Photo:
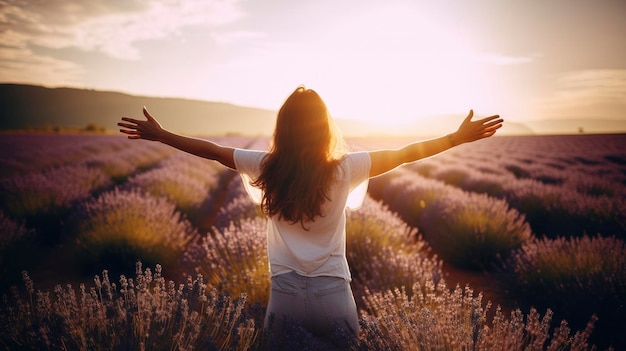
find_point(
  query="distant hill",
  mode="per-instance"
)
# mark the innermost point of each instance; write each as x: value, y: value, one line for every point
x: 27, y: 106
x: 36, y: 107
x: 578, y: 125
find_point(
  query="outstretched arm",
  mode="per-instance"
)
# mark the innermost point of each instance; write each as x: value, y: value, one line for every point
x: 151, y: 129
x: 386, y: 160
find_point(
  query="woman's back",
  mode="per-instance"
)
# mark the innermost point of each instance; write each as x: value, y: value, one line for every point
x: 317, y: 247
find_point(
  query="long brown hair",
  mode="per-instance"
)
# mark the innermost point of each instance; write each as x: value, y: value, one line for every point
x: 297, y: 172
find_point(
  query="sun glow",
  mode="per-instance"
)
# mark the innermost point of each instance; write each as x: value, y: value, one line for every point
x: 391, y: 62
x: 389, y: 65
x: 422, y: 69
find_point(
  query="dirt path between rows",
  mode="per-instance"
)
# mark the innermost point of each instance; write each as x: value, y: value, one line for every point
x: 481, y: 282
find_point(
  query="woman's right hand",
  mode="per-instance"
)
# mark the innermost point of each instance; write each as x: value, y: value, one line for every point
x: 149, y: 129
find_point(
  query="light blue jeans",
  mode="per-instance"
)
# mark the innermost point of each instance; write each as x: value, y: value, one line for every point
x: 321, y: 305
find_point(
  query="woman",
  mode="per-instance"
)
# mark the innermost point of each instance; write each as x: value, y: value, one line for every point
x: 304, y: 183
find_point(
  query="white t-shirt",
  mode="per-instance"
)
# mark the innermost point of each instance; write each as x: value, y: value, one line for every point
x: 320, y: 250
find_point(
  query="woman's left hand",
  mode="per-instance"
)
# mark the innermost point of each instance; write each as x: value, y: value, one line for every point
x: 149, y: 129
x: 474, y: 130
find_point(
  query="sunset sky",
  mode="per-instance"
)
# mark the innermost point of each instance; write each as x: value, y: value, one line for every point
x: 389, y: 61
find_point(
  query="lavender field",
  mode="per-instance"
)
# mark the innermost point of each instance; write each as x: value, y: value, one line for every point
x: 514, y: 242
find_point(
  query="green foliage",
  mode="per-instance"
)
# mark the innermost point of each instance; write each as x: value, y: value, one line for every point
x: 120, y: 227
x: 93, y: 127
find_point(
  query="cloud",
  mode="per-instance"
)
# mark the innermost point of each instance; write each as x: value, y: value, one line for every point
x: 112, y: 28
x: 588, y: 93
x: 601, y: 85
x: 20, y: 65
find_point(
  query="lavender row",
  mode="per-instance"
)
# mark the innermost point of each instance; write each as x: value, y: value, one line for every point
x: 476, y: 231
x: 468, y: 229
x: 47, y: 175
x: 582, y: 205
x: 406, y: 303
x: 184, y: 179
x: 385, y: 254
x: 121, y: 227
x: 29, y: 153
x: 53, y: 189
x: 62, y: 170
x: 556, y: 160
x: 575, y: 277
x: 565, y: 185
x: 51, y: 192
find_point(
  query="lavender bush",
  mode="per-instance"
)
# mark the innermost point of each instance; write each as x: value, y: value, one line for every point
x: 596, y: 186
x: 552, y: 210
x: 577, y: 277
x: 186, y: 192
x: 116, y: 167
x: 453, y: 175
x: 431, y: 317
x: 150, y: 313
x: 477, y: 176
x: 234, y: 259
x: 408, y: 194
x: 472, y: 230
x: 11, y: 232
x: 15, y: 238
x: 466, y: 229
x: 384, y: 253
x: 235, y: 205
x: 121, y: 227
x: 142, y: 313
x: 484, y: 182
x: 425, y: 167
x: 51, y: 193
x: 195, y: 167
x: 121, y: 162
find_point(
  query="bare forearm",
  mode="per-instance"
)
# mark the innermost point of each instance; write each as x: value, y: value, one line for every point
x: 190, y: 145
x: 427, y: 148
x: 199, y: 147
x: 469, y: 131
x: 385, y: 160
